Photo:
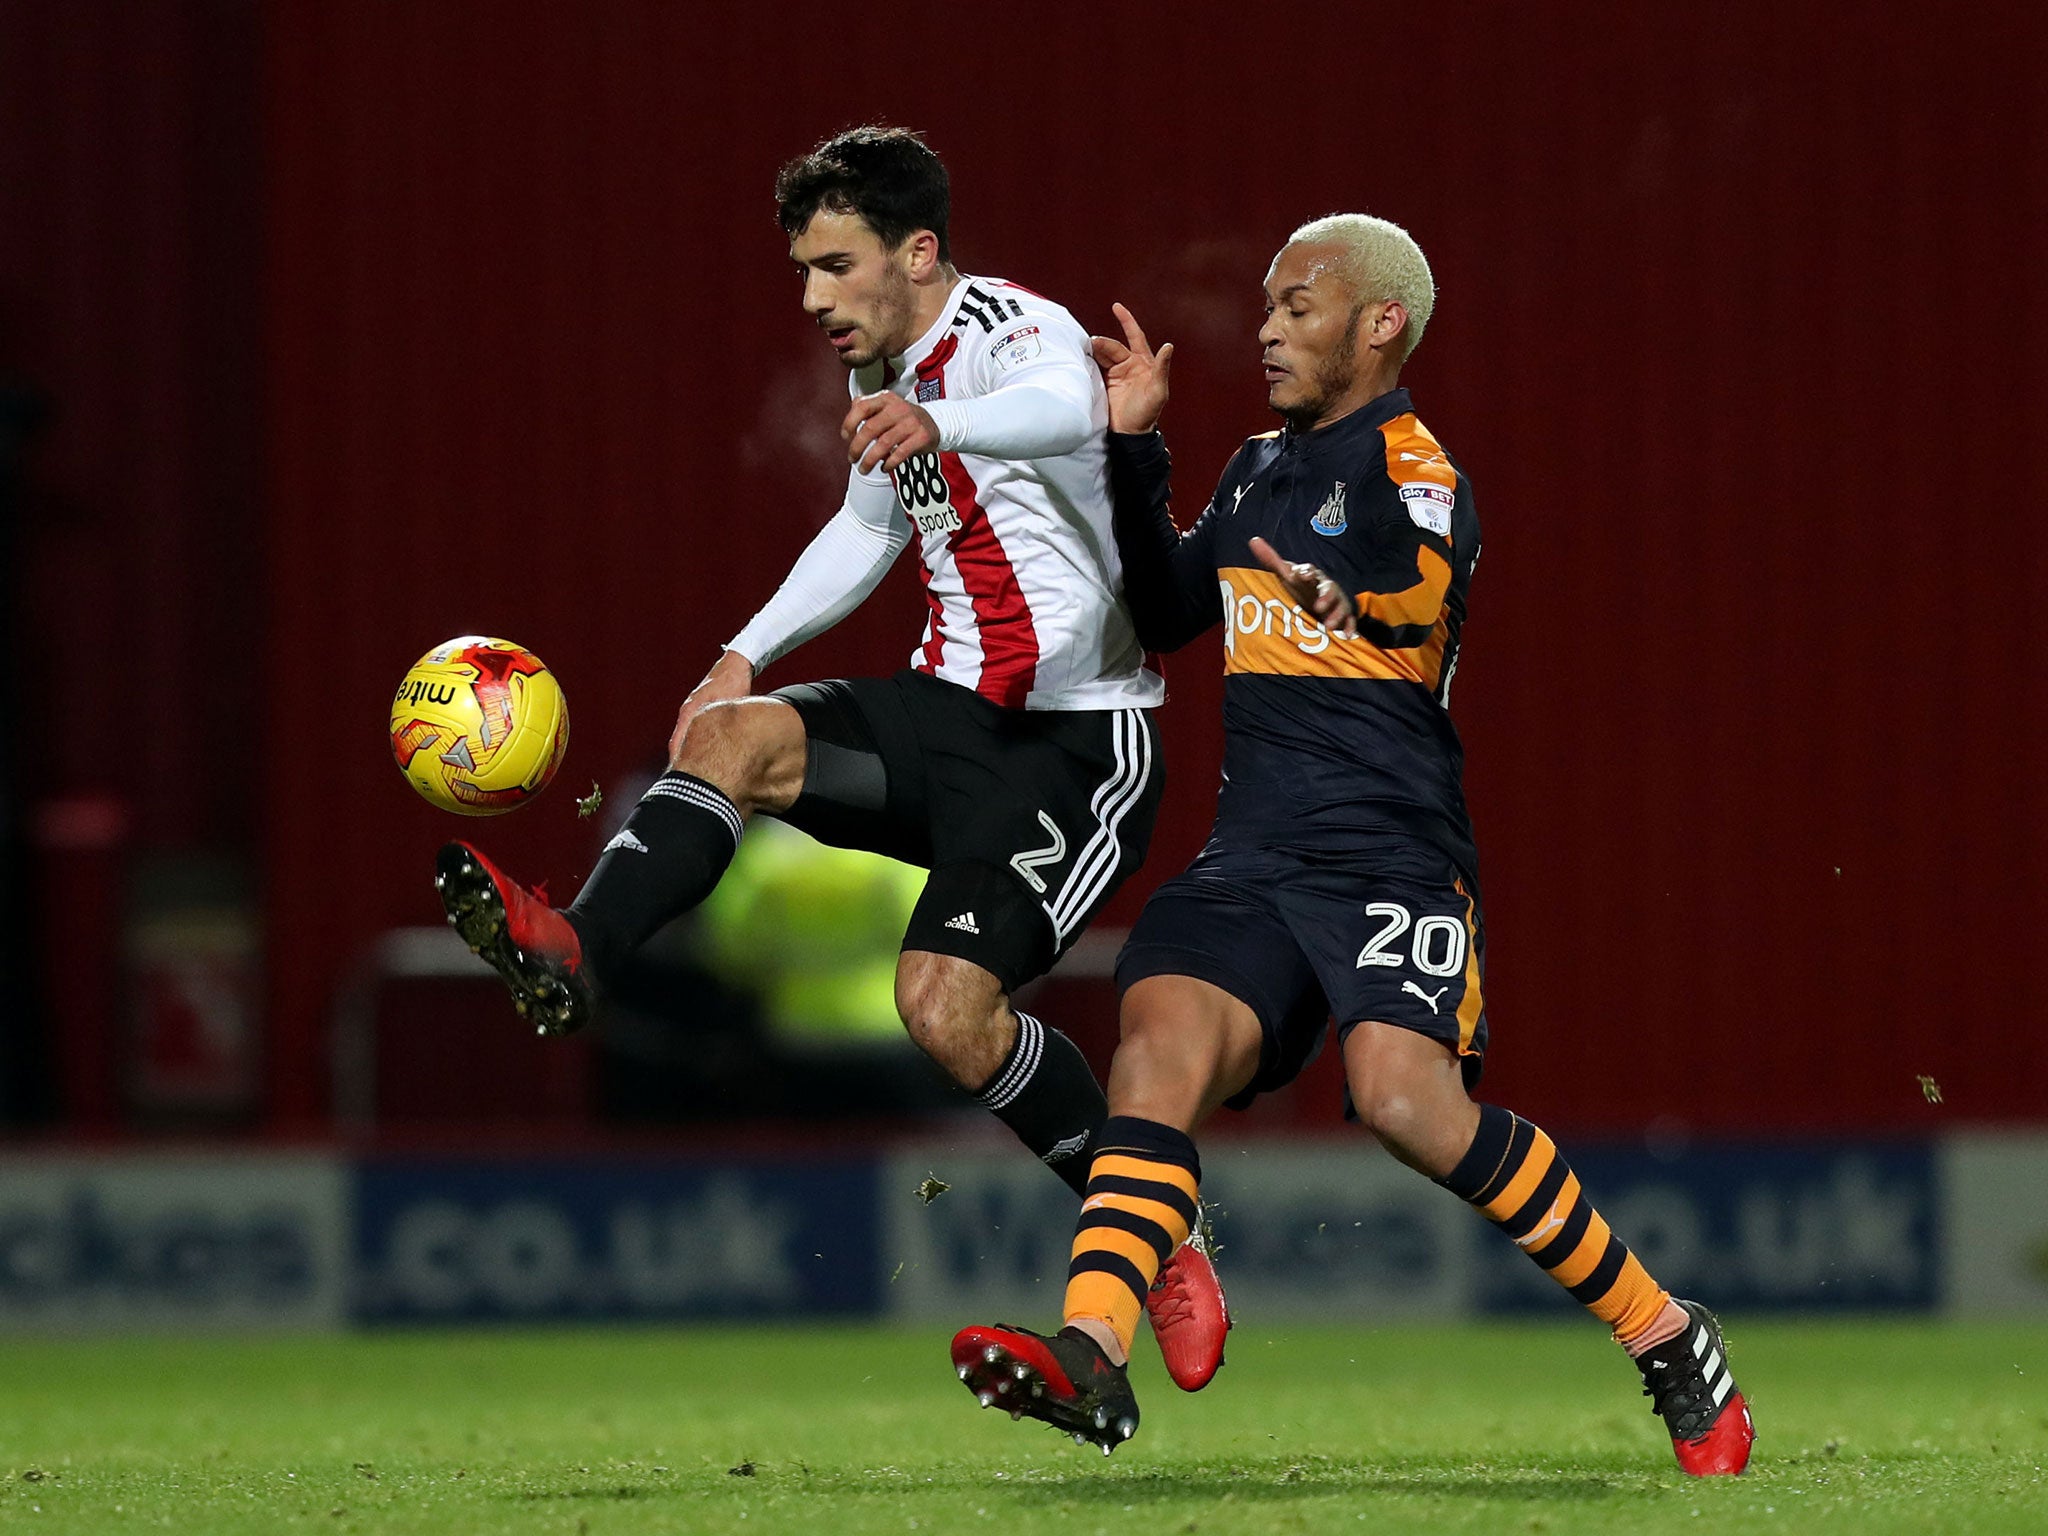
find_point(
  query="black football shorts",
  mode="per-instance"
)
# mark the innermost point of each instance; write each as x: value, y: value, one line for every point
x: 1027, y: 819
x: 1393, y: 935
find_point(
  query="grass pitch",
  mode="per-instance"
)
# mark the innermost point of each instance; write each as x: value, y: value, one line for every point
x: 1870, y: 1428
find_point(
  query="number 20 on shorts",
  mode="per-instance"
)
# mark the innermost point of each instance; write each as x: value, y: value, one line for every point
x: 1437, y: 946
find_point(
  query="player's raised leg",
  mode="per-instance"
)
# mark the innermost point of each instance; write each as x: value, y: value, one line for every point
x: 1186, y: 1047
x: 1036, y: 1081
x: 729, y: 760
x: 1150, y: 1079
x: 1410, y: 1093
x: 1016, y: 878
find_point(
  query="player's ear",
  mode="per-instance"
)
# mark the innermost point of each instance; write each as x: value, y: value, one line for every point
x: 1384, y: 325
x: 921, y: 252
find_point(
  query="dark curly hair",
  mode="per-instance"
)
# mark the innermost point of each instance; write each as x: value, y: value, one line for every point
x: 887, y: 177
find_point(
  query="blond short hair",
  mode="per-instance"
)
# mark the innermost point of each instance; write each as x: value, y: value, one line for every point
x: 1381, y: 261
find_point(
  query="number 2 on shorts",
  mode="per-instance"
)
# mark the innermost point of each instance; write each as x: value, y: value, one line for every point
x: 1027, y: 862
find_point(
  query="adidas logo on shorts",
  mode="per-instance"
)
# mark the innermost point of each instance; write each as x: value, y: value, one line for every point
x: 964, y: 922
x: 626, y: 839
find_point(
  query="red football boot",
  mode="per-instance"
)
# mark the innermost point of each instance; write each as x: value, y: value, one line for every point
x: 1689, y: 1386
x: 1064, y: 1380
x: 1188, y: 1312
x: 528, y: 943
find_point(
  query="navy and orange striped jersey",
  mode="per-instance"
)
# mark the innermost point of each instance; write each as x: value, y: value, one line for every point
x: 1329, y: 744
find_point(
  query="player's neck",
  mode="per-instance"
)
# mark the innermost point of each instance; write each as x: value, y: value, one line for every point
x: 930, y: 301
x: 1367, y: 386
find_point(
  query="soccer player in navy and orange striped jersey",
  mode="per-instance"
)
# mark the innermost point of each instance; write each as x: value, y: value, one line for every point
x: 1340, y: 880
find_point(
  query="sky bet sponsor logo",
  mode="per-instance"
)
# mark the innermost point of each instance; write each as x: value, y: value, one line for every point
x: 1020, y: 346
x: 1429, y: 506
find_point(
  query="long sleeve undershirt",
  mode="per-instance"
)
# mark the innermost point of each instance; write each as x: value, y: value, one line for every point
x: 1047, y: 415
x: 1169, y: 576
x: 836, y: 571
x: 1040, y: 418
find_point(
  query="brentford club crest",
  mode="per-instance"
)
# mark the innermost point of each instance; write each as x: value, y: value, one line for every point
x: 1329, y: 518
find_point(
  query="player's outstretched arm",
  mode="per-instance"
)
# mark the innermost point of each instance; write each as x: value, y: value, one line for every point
x: 1320, y: 595
x: 1135, y: 376
x: 831, y: 578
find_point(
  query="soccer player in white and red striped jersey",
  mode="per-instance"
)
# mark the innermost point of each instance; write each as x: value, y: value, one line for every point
x: 1015, y: 758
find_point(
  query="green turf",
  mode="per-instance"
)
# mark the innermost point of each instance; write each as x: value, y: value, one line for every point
x: 1866, y: 1428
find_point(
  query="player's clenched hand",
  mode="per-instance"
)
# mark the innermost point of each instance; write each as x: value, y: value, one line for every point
x: 1135, y: 375
x: 1320, y: 595
x: 730, y: 677
x: 882, y: 430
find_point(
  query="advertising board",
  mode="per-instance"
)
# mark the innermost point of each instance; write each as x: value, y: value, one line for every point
x: 243, y: 1242
x: 452, y: 1241
x: 1854, y: 1226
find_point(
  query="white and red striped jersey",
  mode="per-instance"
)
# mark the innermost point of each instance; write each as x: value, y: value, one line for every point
x: 1011, y: 516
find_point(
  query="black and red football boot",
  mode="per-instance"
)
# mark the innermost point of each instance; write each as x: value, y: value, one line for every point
x: 1687, y: 1381
x: 1188, y: 1312
x: 1064, y: 1380
x: 528, y: 943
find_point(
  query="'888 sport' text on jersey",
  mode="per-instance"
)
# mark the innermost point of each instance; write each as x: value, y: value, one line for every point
x: 1018, y: 564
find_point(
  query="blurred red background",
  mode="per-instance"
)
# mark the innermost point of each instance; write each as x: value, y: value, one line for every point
x: 365, y: 325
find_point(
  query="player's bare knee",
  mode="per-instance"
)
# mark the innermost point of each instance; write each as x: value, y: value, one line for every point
x: 1395, y: 1119
x: 925, y: 1015
x: 1150, y: 1049
x: 949, y: 1022
x: 961, y: 1045
x: 1167, y: 1074
x: 747, y: 750
x: 715, y: 743
x: 1421, y: 1125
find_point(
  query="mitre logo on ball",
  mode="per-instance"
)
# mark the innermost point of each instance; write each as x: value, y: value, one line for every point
x: 479, y: 725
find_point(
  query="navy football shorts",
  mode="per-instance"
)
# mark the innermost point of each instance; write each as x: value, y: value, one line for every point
x: 1027, y: 819
x: 1392, y: 936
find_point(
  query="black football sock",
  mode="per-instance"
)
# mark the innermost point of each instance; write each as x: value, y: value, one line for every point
x: 666, y: 858
x: 1048, y: 1096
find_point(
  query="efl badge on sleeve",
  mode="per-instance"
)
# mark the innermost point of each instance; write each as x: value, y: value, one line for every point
x: 1429, y: 506
x: 1020, y: 346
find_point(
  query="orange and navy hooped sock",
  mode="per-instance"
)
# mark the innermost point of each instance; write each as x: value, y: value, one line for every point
x: 1139, y: 1207
x: 1515, y: 1176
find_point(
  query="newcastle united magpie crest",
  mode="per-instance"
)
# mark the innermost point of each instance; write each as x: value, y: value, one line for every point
x: 1329, y: 518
